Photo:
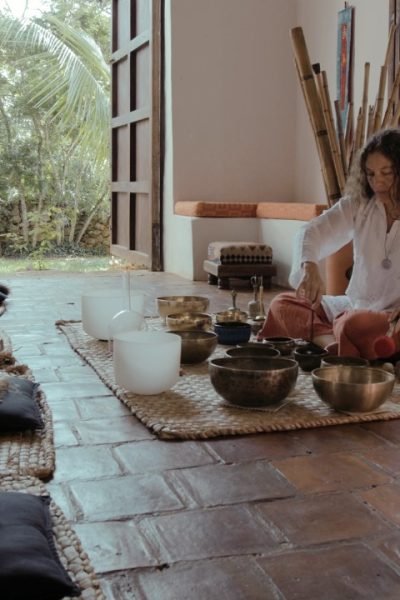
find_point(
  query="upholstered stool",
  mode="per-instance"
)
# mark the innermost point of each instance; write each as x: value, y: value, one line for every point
x: 240, y: 260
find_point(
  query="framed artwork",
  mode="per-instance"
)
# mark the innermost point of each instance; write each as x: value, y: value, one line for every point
x: 344, y: 60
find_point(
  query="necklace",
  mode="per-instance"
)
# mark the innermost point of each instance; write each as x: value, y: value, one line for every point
x: 386, y: 262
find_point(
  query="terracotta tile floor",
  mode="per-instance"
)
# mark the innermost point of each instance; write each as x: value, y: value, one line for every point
x: 305, y: 515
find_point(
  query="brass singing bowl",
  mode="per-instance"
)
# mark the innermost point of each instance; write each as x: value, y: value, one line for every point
x: 353, y: 389
x: 168, y: 305
x: 260, y: 350
x: 189, y: 320
x: 349, y: 361
x: 253, y: 382
x: 196, y: 346
x: 309, y: 356
x: 231, y: 315
x: 285, y: 345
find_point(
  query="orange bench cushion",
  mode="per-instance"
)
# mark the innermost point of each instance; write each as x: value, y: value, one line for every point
x: 297, y: 211
x: 215, y: 209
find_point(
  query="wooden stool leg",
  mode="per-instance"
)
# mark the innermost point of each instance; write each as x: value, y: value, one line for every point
x: 223, y: 283
x: 267, y: 283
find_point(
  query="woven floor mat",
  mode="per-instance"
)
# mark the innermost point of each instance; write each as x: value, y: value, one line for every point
x: 5, y: 342
x: 30, y: 452
x: 68, y: 545
x: 193, y: 410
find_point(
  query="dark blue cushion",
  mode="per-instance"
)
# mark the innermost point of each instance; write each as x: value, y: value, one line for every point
x: 19, y: 409
x: 29, y: 563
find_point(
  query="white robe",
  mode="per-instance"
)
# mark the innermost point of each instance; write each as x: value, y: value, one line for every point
x: 371, y: 286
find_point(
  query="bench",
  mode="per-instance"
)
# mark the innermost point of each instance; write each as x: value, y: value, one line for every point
x: 271, y: 223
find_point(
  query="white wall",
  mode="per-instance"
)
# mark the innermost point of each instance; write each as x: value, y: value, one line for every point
x: 236, y: 124
x: 232, y: 99
x: 230, y: 96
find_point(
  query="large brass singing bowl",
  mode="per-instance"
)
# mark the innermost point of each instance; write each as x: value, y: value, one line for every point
x: 253, y: 382
x: 353, y: 389
x: 168, y: 305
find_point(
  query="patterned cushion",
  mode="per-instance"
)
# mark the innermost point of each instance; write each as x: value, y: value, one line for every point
x: 233, y: 253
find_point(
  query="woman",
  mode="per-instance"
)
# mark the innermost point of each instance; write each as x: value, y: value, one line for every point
x: 368, y: 215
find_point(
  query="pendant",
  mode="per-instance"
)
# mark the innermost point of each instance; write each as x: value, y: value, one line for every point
x: 386, y: 263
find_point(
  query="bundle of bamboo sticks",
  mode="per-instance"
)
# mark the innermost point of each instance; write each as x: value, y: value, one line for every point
x: 337, y: 145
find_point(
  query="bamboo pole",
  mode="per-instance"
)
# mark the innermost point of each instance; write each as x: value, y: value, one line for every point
x: 349, y: 130
x: 391, y: 105
x: 359, y: 126
x: 380, y: 99
x: 370, y: 122
x: 365, y: 100
x: 316, y: 113
x: 395, y: 119
x: 340, y: 133
x: 312, y: 127
x: 390, y: 43
x: 323, y: 88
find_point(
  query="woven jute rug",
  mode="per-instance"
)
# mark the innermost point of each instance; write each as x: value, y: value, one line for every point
x: 69, y: 548
x: 192, y: 409
x: 30, y: 452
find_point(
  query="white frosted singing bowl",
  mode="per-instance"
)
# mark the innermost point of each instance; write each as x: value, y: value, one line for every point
x: 125, y: 320
x: 146, y: 362
x: 98, y: 307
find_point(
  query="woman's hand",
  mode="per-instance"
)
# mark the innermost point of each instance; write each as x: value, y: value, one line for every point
x: 311, y: 286
x: 394, y: 321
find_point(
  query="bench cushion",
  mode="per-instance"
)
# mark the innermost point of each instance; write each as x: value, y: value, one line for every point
x: 296, y: 211
x: 239, y: 210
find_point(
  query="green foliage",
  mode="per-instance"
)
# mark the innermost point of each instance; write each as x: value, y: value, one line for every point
x: 54, y: 124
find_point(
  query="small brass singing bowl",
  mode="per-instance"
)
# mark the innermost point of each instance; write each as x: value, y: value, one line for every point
x: 196, y: 346
x: 189, y: 320
x: 168, y: 305
x: 230, y: 316
x: 285, y: 345
x: 309, y: 356
x: 260, y: 351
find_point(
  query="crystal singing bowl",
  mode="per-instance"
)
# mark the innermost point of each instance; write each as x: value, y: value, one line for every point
x: 99, y: 306
x: 146, y: 362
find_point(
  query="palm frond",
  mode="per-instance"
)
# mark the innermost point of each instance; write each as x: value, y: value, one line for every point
x: 74, y: 84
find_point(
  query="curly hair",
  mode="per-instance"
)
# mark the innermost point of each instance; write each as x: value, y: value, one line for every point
x: 386, y: 142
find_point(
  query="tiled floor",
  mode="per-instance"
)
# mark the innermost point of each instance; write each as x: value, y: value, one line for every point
x: 305, y: 515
